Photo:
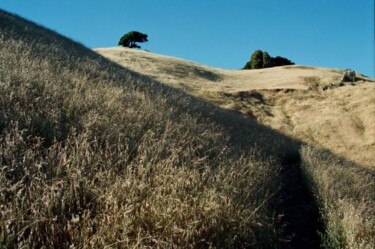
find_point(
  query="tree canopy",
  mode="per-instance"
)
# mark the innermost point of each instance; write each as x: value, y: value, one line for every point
x: 130, y: 39
x: 260, y: 59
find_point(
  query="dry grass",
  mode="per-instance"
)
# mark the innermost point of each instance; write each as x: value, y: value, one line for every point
x: 201, y: 78
x: 346, y: 195
x: 95, y: 156
x: 341, y: 119
x: 304, y: 103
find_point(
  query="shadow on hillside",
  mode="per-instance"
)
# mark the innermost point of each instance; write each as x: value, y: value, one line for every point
x: 182, y: 71
x: 296, y: 211
x: 245, y: 133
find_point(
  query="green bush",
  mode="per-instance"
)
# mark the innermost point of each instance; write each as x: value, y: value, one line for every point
x: 257, y: 59
x: 260, y: 59
x: 281, y: 61
x: 267, y: 60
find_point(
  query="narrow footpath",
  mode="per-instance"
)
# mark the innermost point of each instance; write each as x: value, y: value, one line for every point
x: 298, y: 219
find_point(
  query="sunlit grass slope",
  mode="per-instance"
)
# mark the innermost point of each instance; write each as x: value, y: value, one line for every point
x: 95, y: 156
x: 334, y: 121
x: 306, y: 103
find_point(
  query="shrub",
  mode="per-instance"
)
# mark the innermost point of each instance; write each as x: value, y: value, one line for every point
x: 257, y: 59
x: 267, y: 60
x: 260, y: 59
x: 281, y: 61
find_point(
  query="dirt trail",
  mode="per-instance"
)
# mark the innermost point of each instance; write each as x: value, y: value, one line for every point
x: 298, y: 218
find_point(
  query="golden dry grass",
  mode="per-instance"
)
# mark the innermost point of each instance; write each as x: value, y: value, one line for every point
x: 197, y: 77
x: 346, y: 195
x: 310, y: 104
x: 93, y: 155
x: 306, y: 103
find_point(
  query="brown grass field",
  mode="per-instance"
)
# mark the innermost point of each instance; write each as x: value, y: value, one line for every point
x: 306, y: 103
x: 309, y: 104
x: 93, y: 155
x: 158, y: 152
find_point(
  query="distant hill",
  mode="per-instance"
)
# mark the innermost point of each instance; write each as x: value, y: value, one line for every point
x: 305, y: 102
x: 181, y: 73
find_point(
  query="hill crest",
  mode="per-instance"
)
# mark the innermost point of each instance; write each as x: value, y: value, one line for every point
x: 185, y: 74
x: 307, y: 103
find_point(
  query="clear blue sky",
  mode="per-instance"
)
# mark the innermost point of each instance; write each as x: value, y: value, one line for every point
x: 221, y: 33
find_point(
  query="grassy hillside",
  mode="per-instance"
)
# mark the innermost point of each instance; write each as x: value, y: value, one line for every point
x: 306, y: 103
x: 334, y: 122
x: 93, y: 155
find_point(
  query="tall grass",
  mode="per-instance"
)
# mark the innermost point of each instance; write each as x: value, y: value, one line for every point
x: 346, y: 195
x: 95, y: 156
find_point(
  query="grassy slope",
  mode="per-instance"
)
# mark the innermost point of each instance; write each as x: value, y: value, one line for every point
x: 306, y: 103
x: 94, y: 155
x: 181, y: 73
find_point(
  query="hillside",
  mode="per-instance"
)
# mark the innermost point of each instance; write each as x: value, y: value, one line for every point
x: 196, y: 77
x: 306, y: 103
x: 93, y: 155
x: 333, y: 123
x: 98, y: 155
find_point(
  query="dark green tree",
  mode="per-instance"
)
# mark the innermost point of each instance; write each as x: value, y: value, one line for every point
x: 247, y: 65
x: 130, y: 39
x: 281, y: 61
x: 260, y: 59
x: 256, y: 60
x: 267, y: 60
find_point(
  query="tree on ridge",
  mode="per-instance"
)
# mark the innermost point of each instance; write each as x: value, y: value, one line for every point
x: 260, y: 59
x: 131, y: 38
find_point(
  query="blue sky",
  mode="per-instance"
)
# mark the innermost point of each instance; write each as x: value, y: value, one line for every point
x: 221, y: 33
